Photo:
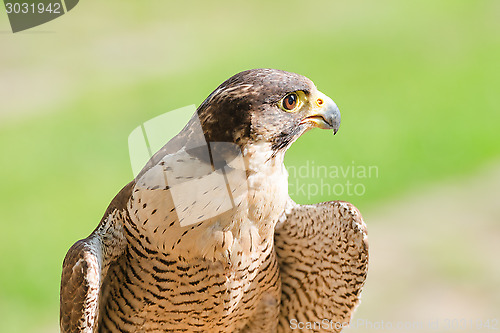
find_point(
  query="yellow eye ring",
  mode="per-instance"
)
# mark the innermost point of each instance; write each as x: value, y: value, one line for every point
x: 290, y: 102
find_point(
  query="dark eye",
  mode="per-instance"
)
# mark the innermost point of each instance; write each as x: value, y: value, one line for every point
x: 290, y: 101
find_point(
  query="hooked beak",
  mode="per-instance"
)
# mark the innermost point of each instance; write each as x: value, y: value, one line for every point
x: 325, y: 114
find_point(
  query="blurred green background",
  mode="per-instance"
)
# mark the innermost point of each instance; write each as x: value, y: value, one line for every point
x: 417, y: 84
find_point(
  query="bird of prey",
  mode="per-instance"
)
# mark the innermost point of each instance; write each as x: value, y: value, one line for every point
x: 265, y: 264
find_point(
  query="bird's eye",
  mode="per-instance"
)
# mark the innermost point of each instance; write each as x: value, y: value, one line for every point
x: 289, y: 102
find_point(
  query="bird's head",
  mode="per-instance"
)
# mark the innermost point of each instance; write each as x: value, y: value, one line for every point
x: 266, y: 105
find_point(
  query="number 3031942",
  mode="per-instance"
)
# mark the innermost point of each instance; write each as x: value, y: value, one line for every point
x: 32, y: 8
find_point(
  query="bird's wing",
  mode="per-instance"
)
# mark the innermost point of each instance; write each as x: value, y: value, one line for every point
x: 322, y: 252
x: 86, y: 265
x: 80, y: 287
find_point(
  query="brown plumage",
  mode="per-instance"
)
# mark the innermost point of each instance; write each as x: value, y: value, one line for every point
x: 258, y: 266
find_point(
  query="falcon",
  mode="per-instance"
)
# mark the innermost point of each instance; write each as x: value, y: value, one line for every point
x: 173, y: 254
